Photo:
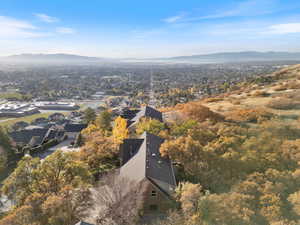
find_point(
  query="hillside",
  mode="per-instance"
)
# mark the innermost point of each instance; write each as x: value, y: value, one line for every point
x: 236, y: 157
x: 278, y: 94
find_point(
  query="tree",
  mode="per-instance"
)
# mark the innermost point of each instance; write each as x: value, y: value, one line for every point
x: 67, y: 207
x: 188, y: 195
x: 89, y: 115
x: 6, y: 148
x: 120, y: 131
x: 103, y: 120
x: 52, y: 192
x: 152, y: 126
x: 118, y: 200
x: 294, y: 199
x: 198, y: 112
x: 100, y: 153
x: 3, y: 160
x: 20, y: 183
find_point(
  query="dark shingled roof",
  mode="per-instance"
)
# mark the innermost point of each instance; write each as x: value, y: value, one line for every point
x: 53, y: 133
x: 128, y: 113
x: 74, y: 127
x: 129, y: 148
x: 148, y: 163
x: 25, y: 136
x: 147, y: 112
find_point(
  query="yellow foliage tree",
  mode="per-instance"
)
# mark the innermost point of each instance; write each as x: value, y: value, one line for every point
x: 120, y: 131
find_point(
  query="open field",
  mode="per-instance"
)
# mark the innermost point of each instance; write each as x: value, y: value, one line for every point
x: 7, y: 95
x: 8, y: 122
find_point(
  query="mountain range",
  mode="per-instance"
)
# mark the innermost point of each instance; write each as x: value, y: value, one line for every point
x: 222, y: 57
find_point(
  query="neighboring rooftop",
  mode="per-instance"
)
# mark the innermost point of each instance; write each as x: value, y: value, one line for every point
x: 147, y: 112
x: 74, y: 127
x: 29, y: 136
x: 147, y: 163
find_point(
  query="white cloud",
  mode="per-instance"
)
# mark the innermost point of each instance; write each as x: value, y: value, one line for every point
x: 45, y: 18
x: 286, y: 28
x: 65, y: 30
x: 174, y: 19
x: 245, y: 8
x: 14, y: 28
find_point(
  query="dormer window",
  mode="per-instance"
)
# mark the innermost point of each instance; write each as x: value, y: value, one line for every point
x: 153, y: 193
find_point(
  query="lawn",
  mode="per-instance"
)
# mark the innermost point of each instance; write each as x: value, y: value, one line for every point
x: 9, y: 122
x: 8, y: 95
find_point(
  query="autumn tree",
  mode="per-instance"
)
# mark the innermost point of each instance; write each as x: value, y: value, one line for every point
x: 6, y: 148
x: 57, y: 181
x: 103, y: 120
x: 196, y: 111
x: 100, y: 153
x: 89, y: 115
x: 120, y: 131
x: 152, y: 126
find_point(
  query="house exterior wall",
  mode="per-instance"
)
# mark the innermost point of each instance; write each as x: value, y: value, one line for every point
x: 157, y: 204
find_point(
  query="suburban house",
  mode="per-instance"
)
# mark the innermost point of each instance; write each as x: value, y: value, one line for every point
x: 134, y: 117
x: 33, y: 136
x: 141, y: 162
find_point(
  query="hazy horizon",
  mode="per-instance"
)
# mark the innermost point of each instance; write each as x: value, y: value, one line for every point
x: 135, y: 29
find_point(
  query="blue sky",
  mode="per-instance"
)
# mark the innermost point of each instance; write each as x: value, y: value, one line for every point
x: 155, y: 28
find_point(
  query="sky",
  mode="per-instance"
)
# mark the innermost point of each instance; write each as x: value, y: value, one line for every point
x: 148, y: 28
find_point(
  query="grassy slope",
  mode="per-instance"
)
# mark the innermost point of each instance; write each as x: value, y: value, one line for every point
x: 245, y: 98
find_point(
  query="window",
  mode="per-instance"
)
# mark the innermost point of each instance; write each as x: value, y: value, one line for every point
x: 153, y: 207
x: 153, y: 193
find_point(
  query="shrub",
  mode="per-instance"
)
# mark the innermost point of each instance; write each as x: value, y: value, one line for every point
x: 279, y: 88
x: 235, y: 101
x: 260, y: 94
x: 209, y: 100
x: 250, y: 115
x: 196, y: 111
x: 284, y: 104
x: 291, y: 85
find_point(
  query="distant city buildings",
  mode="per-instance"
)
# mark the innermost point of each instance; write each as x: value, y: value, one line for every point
x: 56, y: 106
x: 17, y: 109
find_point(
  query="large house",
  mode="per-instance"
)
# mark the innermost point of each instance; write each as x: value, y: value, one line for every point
x: 34, y: 136
x: 141, y: 162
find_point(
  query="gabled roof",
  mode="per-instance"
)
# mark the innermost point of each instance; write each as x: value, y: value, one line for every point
x: 129, y: 148
x: 147, y: 163
x: 54, y: 133
x: 25, y: 136
x: 74, y: 127
x: 35, y: 141
x: 147, y: 112
x: 129, y: 113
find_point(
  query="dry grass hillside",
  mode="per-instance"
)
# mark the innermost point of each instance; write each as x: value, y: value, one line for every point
x: 279, y: 96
